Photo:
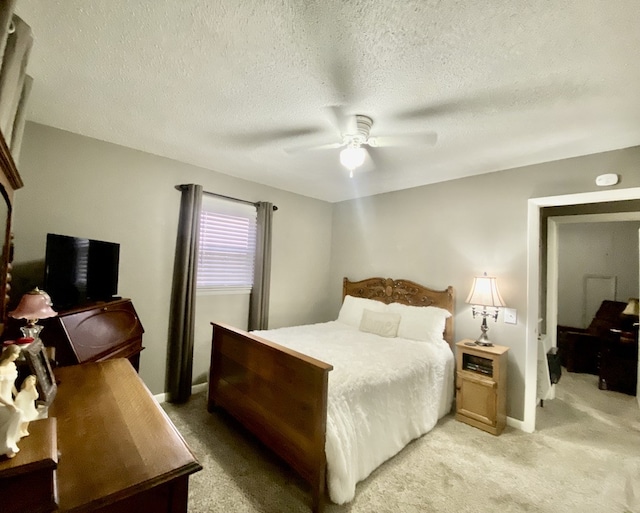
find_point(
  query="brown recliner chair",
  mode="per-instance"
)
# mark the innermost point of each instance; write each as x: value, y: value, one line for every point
x: 580, y: 348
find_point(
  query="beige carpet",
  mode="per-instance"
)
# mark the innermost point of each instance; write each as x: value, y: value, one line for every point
x: 584, y: 457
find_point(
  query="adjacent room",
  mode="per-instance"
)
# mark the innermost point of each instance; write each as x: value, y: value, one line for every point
x: 336, y: 256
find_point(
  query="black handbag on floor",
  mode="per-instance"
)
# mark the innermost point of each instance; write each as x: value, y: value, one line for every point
x: 555, y: 367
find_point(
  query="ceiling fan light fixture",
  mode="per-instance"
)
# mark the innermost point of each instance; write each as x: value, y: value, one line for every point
x: 352, y: 157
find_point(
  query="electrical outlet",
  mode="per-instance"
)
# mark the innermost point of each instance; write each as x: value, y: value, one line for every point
x: 510, y: 316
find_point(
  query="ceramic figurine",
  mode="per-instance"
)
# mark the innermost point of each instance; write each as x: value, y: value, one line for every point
x: 10, y: 415
x: 25, y: 401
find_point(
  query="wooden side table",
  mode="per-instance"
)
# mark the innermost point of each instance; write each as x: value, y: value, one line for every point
x: 481, y: 386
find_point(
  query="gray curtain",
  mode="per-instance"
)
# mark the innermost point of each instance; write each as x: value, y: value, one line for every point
x: 259, y: 303
x: 183, y: 296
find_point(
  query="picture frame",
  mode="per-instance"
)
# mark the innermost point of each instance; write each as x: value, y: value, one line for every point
x: 41, y: 367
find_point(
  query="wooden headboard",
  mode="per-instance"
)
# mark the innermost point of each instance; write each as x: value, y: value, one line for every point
x: 405, y: 292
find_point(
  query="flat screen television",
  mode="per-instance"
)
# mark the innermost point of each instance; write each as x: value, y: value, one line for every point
x: 78, y: 271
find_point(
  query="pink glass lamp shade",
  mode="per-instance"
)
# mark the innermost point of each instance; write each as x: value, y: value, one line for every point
x: 33, y: 306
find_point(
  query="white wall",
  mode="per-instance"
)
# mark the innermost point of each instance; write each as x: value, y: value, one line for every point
x: 83, y: 187
x: 232, y: 309
x: 446, y: 233
x: 605, y: 249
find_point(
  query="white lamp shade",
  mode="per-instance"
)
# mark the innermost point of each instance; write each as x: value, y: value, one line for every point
x: 484, y: 292
x: 352, y: 157
x: 632, y: 307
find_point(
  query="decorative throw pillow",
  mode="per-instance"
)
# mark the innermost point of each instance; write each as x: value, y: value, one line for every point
x: 352, y: 307
x: 420, y: 322
x: 384, y: 324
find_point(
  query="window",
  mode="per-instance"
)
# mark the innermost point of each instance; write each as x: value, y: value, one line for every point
x: 227, y: 246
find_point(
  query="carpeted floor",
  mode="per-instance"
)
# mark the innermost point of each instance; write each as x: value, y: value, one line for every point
x: 583, y: 457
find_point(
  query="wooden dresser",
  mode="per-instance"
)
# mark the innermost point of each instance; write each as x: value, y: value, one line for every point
x: 119, y: 452
x: 96, y: 332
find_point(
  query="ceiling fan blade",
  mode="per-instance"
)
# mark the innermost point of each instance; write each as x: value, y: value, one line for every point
x: 342, y: 120
x: 424, y: 139
x: 341, y: 76
x: 430, y: 111
x: 309, y: 147
x: 376, y: 159
x: 498, y: 99
x: 332, y: 50
x: 257, y: 138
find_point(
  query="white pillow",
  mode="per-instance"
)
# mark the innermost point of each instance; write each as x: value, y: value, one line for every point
x: 420, y: 322
x: 384, y: 324
x: 352, y: 307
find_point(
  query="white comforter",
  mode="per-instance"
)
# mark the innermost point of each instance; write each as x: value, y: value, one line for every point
x: 383, y: 393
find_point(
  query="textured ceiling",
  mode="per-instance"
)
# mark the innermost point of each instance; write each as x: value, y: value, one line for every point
x: 230, y: 85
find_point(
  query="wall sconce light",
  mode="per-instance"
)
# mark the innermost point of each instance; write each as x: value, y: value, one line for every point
x: 33, y: 306
x: 485, y: 293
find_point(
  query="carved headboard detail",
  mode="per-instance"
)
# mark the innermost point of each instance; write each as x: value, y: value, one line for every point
x: 406, y: 292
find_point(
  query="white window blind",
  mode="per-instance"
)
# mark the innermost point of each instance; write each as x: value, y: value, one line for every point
x: 227, y: 246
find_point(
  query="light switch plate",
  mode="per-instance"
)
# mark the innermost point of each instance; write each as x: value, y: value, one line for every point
x: 510, y: 316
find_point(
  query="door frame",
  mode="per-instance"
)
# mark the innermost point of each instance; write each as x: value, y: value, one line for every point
x: 534, y: 286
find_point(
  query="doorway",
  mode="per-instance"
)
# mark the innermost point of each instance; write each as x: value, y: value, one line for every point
x: 621, y: 229
x: 536, y: 296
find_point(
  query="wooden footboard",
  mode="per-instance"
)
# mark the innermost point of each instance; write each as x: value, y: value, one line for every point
x: 280, y: 395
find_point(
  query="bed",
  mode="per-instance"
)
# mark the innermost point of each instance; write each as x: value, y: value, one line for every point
x: 282, y: 386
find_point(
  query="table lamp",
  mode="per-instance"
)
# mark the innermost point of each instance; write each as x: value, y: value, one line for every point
x: 485, y: 293
x: 33, y: 306
x: 633, y: 308
x: 630, y: 314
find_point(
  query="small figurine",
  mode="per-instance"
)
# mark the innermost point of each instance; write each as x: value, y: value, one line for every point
x: 26, y: 402
x: 10, y: 414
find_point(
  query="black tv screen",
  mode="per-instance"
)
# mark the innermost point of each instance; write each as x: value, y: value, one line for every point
x: 79, y: 270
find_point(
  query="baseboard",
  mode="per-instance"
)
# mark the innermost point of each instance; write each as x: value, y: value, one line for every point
x: 199, y: 387
x: 518, y: 424
x: 161, y: 398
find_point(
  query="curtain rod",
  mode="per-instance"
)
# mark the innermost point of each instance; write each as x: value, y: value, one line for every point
x: 231, y: 198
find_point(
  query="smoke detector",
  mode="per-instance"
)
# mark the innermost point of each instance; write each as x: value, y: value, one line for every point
x: 606, y: 180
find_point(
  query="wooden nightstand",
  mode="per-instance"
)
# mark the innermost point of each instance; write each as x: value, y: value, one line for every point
x: 481, y: 386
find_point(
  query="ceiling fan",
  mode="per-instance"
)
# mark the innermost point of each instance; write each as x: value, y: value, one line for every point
x: 357, y: 141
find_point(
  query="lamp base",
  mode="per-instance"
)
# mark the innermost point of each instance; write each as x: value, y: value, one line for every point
x: 31, y: 331
x: 485, y: 343
x: 483, y: 339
